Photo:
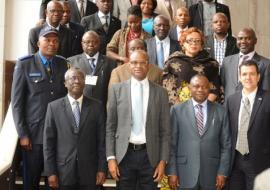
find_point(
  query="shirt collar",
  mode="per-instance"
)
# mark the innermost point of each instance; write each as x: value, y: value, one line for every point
x: 250, y: 55
x: 101, y: 14
x: 181, y: 29
x: 95, y: 56
x: 71, y: 100
x: 44, y: 59
x: 222, y: 39
x: 204, y: 104
x: 56, y: 28
x: 251, y: 95
x: 165, y: 40
x: 135, y: 81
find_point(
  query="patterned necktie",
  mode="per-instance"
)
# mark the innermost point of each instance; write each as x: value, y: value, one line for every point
x: 106, y: 24
x: 137, y: 110
x: 242, y: 140
x: 92, y: 65
x: 199, y: 119
x: 49, y: 67
x: 76, y: 112
x: 81, y: 8
x: 160, y: 55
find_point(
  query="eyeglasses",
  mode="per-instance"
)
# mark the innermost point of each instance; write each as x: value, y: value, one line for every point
x: 194, y: 41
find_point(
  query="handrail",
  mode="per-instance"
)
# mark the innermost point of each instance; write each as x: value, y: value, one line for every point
x: 8, y: 142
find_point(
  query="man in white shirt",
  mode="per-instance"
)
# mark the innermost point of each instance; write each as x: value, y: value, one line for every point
x: 137, y: 131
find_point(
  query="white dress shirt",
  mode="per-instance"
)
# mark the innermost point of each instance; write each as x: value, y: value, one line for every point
x: 204, y: 109
x: 179, y: 30
x: 140, y: 138
x: 166, y: 46
x: 72, y: 102
x: 102, y: 19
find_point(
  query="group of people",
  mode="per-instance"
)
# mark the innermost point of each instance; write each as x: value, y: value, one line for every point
x: 165, y: 90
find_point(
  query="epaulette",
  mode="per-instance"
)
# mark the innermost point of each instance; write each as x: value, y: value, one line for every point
x: 25, y: 57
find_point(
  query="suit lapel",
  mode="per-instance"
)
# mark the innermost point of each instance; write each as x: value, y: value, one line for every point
x: 257, y: 103
x: 154, y: 54
x: 150, y: 102
x: 98, y: 22
x: 84, y: 112
x: 128, y: 95
x: 68, y: 112
x: 100, y: 63
x: 192, y: 117
x: 236, y: 104
x: 234, y: 65
x: 210, y: 116
x: 85, y: 64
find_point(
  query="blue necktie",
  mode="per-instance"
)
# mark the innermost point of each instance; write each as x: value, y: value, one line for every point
x: 76, y: 113
x: 92, y: 65
x: 137, y: 110
x: 160, y: 55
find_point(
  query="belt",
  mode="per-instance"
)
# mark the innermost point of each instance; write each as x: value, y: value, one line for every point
x: 132, y: 146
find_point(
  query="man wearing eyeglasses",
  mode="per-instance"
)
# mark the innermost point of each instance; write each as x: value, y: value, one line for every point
x: 138, y: 128
x: 54, y: 13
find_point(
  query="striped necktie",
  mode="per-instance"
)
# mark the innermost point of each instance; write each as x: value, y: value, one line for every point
x: 76, y: 112
x: 199, y: 119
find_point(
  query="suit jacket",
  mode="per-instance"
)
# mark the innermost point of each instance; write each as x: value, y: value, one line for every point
x: 196, y: 15
x: 173, y: 33
x: 152, y: 49
x: 73, y: 153
x: 259, y: 130
x: 32, y: 90
x: 91, y: 8
x: 78, y: 32
x: 65, y: 35
x: 229, y: 73
x: 194, y: 158
x: 231, y: 47
x: 119, y: 122
x: 120, y: 8
x: 122, y: 73
x: 92, y: 22
x: 103, y: 71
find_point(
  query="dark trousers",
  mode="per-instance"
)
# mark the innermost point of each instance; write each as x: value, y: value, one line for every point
x: 32, y: 167
x: 136, y: 171
x: 79, y: 187
x: 243, y: 174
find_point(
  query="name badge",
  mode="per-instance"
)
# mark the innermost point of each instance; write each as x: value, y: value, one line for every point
x: 34, y: 74
x: 91, y: 80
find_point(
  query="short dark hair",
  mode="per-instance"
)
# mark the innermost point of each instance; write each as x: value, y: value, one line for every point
x: 135, y: 10
x: 249, y: 63
x: 154, y: 4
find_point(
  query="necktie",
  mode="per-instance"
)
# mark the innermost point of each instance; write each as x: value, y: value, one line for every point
x: 106, y: 24
x: 199, y: 119
x: 242, y: 141
x: 76, y: 112
x: 49, y: 67
x: 92, y: 65
x: 81, y: 8
x: 160, y: 55
x: 137, y: 110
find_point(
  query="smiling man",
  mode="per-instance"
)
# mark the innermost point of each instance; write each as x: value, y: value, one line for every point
x: 249, y: 120
x: 201, y: 142
x: 246, y: 41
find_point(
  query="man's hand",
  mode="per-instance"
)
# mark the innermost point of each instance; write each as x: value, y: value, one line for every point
x: 53, y: 181
x: 173, y: 181
x: 220, y: 182
x: 159, y: 171
x: 113, y: 169
x: 26, y: 143
x: 100, y: 179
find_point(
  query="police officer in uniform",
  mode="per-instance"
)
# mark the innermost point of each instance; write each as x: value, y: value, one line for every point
x: 37, y: 80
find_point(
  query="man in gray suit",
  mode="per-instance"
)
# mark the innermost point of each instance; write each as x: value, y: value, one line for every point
x: 74, y: 138
x: 161, y: 46
x: 246, y: 41
x: 138, y: 132
x: 201, y: 143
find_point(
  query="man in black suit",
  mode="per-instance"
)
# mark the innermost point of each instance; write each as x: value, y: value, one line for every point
x: 221, y: 43
x: 201, y: 14
x: 37, y: 80
x: 54, y: 13
x: 89, y: 8
x: 77, y: 29
x: 74, y: 138
x: 102, y: 22
x: 249, y: 112
x: 161, y: 46
x: 97, y: 67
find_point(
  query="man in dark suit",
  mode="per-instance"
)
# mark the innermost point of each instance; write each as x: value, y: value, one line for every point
x: 201, y: 141
x: 54, y: 13
x: 88, y: 7
x: 221, y: 44
x: 97, y: 67
x: 37, y: 80
x: 74, y: 138
x: 249, y: 112
x: 181, y: 19
x: 201, y: 15
x: 246, y: 41
x: 161, y: 46
x: 137, y: 131
x: 77, y: 29
x: 102, y: 22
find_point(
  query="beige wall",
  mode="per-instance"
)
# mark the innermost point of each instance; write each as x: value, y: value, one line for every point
x: 255, y: 14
